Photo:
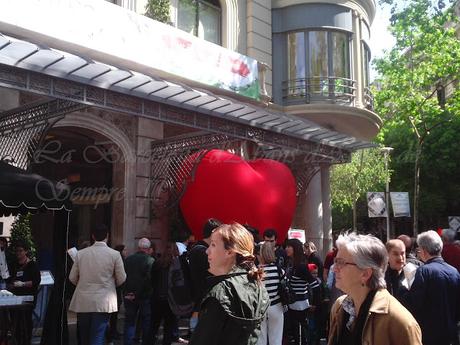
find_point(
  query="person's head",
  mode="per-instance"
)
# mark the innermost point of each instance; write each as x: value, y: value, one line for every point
x: 22, y: 250
x: 267, y: 253
x: 294, y: 251
x: 121, y: 248
x: 100, y: 232
x: 270, y: 235
x: 396, y: 254
x: 313, y: 270
x: 254, y: 232
x: 144, y: 245
x: 408, y: 243
x: 232, y: 245
x: 429, y: 245
x: 448, y: 235
x: 309, y: 248
x: 209, y: 227
x: 3, y: 243
x: 360, y: 263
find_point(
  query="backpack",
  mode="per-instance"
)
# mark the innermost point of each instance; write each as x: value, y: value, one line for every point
x: 180, y: 287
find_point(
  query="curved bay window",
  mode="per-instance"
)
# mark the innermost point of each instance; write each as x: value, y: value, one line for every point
x: 200, y: 18
x: 319, y: 67
x: 368, y: 97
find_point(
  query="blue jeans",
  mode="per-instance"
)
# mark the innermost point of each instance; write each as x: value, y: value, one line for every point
x: 131, y: 310
x: 91, y: 327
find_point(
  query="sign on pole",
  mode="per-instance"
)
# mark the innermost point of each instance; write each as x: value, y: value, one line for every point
x: 297, y: 233
x: 400, y: 204
x: 454, y: 223
x: 376, y: 205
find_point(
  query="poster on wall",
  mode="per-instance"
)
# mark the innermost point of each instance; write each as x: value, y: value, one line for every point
x: 376, y: 204
x: 298, y: 234
x: 400, y: 204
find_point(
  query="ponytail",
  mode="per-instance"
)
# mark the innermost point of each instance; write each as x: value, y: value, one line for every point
x: 247, y: 263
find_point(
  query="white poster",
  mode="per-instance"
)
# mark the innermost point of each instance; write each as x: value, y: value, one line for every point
x: 454, y: 223
x: 400, y: 204
x: 376, y: 204
x: 297, y: 233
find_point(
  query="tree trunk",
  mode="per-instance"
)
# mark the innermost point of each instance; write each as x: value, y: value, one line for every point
x: 418, y: 153
x: 354, y: 216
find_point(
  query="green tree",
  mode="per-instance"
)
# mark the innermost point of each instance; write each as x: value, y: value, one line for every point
x: 350, y: 182
x: 414, y: 75
x: 21, y: 231
x: 158, y: 10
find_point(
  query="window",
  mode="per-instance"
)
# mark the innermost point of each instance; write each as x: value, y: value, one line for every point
x: 200, y: 18
x: 318, y: 62
x: 366, y: 62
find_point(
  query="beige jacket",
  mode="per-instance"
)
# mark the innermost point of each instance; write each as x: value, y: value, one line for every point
x: 96, y: 271
x: 388, y: 322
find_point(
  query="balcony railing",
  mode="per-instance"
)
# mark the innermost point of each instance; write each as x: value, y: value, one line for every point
x: 319, y: 90
x: 368, y: 99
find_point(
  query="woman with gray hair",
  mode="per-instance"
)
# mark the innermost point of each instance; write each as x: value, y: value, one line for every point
x: 367, y: 314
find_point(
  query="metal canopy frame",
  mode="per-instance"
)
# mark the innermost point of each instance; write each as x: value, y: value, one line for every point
x: 30, y: 67
x: 22, y: 129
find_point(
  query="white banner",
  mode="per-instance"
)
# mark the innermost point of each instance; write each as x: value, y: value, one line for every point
x: 400, y: 204
x: 376, y: 205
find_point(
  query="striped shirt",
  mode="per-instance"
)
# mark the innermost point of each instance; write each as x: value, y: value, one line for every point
x: 271, y: 282
x: 301, y: 281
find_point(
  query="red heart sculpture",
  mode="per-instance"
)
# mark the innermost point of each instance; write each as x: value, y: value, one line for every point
x: 261, y: 193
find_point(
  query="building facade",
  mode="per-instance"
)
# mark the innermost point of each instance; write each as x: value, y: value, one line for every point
x: 312, y: 64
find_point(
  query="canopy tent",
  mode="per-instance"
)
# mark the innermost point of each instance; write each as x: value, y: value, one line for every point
x: 23, y: 192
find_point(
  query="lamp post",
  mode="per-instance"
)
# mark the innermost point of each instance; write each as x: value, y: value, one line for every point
x: 386, y: 153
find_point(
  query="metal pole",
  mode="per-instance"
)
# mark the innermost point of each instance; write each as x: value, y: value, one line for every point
x: 386, y: 151
x: 387, y: 197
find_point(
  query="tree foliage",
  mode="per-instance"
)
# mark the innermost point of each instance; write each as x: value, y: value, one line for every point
x: 419, y: 121
x: 350, y: 182
x: 21, y: 231
x: 158, y: 10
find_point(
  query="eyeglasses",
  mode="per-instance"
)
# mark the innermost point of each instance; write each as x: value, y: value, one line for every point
x: 341, y: 263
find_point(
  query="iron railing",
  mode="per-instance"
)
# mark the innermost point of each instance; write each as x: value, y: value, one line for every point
x: 319, y: 90
x: 368, y: 99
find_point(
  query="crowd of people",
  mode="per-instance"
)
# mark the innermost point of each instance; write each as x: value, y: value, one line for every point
x: 237, y: 288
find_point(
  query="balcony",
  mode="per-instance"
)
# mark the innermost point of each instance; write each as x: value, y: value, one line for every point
x: 368, y: 99
x: 332, y: 90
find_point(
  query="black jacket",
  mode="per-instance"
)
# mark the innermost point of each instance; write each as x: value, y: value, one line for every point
x: 198, y: 264
x: 232, y: 311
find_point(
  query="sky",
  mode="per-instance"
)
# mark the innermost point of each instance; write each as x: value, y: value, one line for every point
x: 380, y: 37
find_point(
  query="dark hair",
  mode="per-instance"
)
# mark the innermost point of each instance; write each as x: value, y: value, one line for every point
x: 120, y: 247
x: 298, y: 257
x: 170, y: 252
x: 21, y: 244
x: 271, y: 233
x: 254, y: 232
x: 209, y: 226
x: 100, y: 232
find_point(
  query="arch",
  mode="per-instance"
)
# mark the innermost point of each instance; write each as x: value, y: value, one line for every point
x: 111, y: 132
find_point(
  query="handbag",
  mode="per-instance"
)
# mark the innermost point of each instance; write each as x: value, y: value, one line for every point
x: 287, y: 296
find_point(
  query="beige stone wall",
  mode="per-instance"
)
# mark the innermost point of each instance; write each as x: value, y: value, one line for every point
x: 259, y: 35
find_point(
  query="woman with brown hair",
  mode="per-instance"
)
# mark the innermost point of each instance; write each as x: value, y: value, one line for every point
x: 234, y: 307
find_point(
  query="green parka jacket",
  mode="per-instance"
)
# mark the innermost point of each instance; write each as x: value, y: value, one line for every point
x: 232, y: 311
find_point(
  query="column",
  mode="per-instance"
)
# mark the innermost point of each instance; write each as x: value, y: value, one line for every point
x: 357, y: 60
x: 327, y: 215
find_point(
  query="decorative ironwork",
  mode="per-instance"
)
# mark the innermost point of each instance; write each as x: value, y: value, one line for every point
x: 66, y: 89
x: 22, y: 129
x: 173, y: 164
x: 319, y: 89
